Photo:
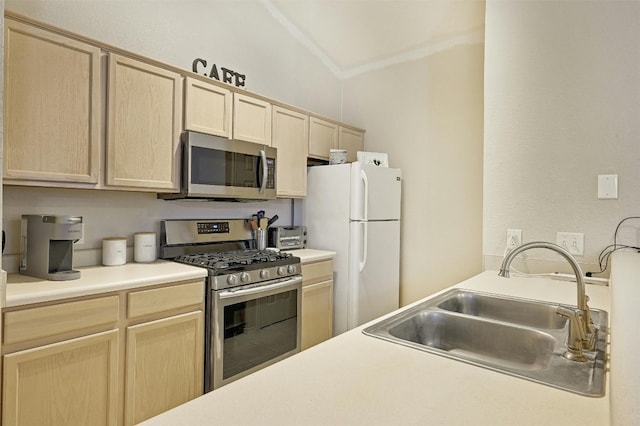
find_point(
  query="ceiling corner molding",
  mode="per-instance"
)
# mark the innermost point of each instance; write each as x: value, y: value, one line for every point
x: 302, y: 38
x: 474, y: 37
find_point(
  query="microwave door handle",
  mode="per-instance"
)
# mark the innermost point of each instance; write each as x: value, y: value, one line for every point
x: 265, y: 171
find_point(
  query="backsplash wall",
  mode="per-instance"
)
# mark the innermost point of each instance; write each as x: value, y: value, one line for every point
x: 115, y: 214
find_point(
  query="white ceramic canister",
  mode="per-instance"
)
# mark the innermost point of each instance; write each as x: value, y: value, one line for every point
x: 114, y: 251
x: 144, y: 247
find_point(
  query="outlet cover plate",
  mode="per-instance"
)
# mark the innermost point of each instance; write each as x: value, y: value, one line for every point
x: 514, y: 239
x: 573, y: 242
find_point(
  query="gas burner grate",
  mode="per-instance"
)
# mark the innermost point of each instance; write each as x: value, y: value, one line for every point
x: 237, y: 259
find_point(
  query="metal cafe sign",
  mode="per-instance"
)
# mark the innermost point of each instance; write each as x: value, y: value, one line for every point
x: 222, y: 74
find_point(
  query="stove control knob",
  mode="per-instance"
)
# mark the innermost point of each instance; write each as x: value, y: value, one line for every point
x: 245, y: 277
x: 232, y: 280
x: 264, y: 273
x: 291, y: 269
x: 281, y: 270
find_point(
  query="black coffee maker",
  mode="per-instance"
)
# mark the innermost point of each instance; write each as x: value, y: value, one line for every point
x: 46, y: 246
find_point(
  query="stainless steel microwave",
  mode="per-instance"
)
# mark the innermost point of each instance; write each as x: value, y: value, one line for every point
x: 217, y: 168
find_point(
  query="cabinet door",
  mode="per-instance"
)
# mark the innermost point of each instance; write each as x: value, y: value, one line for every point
x: 290, y: 137
x: 164, y: 365
x: 251, y: 119
x: 145, y: 110
x: 207, y: 108
x: 323, y: 136
x: 352, y: 141
x: 74, y: 382
x: 317, y: 313
x: 51, y: 106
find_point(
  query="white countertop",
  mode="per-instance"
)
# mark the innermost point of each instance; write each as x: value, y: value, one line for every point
x: 312, y: 255
x: 24, y: 290
x: 355, y: 379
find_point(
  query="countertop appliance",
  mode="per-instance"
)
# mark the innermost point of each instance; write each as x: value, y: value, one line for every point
x: 217, y: 168
x: 253, y: 297
x: 288, y: 237
x: 360, y: 221
x: 46, y: 246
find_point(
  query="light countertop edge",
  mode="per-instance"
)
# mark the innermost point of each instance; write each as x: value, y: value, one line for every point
x: 312, y: 255
x: 24, y: 290
x: 360, y: 380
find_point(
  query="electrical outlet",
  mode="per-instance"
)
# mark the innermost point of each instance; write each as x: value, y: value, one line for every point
x: 514, y: 239
x: 572, y: 242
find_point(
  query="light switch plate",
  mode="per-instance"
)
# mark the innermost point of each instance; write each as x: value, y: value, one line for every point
x: 608, y: 187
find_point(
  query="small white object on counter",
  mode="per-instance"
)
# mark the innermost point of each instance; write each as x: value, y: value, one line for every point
x: 144, y: 247
x: 114, y: 251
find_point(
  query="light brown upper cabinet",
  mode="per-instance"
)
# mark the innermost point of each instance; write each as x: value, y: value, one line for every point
x: 207, y: 108
x: 52, y: 106
x: 323, y: 136
x: 291, y: 138
x: 144, y: 123
x: 251, y: 119
x: 353, y: 141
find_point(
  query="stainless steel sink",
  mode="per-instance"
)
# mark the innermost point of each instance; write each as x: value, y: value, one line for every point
x: 519, y: 337
x: 523, y: 312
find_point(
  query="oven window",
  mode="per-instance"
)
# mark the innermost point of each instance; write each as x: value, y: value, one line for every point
x: 259, y: 330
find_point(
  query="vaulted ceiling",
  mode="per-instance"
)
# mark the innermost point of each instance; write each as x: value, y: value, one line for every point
x: 354, y: 36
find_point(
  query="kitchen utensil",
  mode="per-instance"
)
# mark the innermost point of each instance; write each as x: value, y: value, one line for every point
x: 261, y: 239
x: 272, y: 220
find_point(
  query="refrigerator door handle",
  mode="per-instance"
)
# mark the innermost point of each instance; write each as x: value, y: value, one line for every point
x: 365, y: 188
x: 363, y: 262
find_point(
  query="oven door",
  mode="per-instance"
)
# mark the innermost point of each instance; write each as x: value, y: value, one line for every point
x: 253, y: 327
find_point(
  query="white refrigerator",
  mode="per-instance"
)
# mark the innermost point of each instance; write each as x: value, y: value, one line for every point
x: 354, y: 210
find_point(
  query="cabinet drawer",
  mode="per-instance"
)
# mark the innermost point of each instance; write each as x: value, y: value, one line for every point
x: 312, y: 272
x: 35, y: 323
x: 156, y: 300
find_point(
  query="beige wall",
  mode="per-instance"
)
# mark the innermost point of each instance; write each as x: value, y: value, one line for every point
x: 427, y: 115
x: 562, y: 105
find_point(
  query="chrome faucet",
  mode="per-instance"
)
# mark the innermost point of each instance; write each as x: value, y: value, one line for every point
x: 582, y: 334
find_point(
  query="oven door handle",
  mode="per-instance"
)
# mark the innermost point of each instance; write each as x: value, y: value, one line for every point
x: 226, y: 294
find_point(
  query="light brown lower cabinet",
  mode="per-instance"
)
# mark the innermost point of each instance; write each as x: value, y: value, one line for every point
x: 317, y: 302
x: 164, y: 365
x: 106, y: 360
x: 74, y: 382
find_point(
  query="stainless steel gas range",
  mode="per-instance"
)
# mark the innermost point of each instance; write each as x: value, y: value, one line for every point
x: 253, y: 300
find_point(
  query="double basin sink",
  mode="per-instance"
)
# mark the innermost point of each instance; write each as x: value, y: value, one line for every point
x: 520, y: 337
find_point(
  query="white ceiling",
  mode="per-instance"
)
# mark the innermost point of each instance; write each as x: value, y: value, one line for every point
x: 354, y: 36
